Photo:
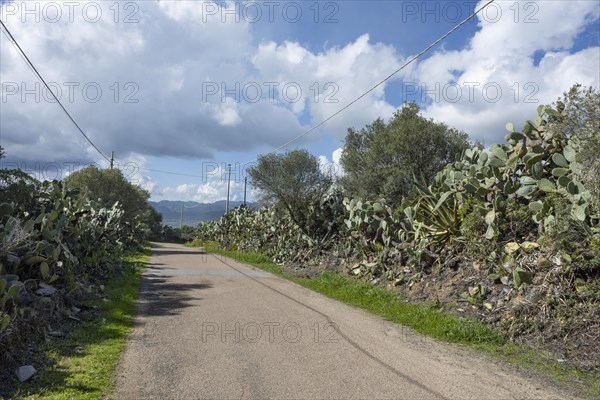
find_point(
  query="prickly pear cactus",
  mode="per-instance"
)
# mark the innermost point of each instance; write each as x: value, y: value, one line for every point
x: 534, y: 162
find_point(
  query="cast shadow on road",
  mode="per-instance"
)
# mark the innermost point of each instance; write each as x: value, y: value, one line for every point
x: 159, y: 297
x: 182, y: 252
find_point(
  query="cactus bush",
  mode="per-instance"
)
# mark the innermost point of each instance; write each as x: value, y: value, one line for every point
x: 59, y: 238
x: 523, y: 174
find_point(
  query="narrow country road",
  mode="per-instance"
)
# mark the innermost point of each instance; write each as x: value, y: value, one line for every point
x: 210, y: 327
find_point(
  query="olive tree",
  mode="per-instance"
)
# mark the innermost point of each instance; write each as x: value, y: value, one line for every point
x: 382, y: 159
x: 293, y: 181
x: 579, y: 118
x: 109, y: 186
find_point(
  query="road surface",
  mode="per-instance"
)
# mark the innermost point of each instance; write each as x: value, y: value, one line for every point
x: 209, y: 327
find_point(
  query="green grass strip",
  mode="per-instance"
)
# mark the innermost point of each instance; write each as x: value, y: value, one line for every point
x: 82, y: 365
x: 426, y: 319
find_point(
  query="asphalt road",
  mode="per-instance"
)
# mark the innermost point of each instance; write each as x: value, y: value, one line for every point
x: 211, y: 328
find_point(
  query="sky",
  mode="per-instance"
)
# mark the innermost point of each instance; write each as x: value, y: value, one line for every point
x: 188, y: 87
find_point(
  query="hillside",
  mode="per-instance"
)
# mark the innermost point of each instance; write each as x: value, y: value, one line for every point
x: 193, y: 212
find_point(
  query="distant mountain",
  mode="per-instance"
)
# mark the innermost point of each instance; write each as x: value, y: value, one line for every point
x: 193, y: 213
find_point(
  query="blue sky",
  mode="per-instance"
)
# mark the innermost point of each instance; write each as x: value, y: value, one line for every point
x: 146, y: 79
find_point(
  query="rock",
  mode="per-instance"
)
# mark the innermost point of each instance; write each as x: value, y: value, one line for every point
x: 25, y: 372
x: 75, y: 310
x: 45, y: 290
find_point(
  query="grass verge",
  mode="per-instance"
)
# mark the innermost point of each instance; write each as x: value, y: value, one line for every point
x: 82, y: 365
x: 428, y: 320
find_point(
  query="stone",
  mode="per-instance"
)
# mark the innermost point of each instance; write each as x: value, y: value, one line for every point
x: 46, y: 290
x: 25, y: 372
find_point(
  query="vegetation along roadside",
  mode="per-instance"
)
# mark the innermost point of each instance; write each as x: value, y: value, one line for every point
x: 68, y: 279
x: 82, y: 364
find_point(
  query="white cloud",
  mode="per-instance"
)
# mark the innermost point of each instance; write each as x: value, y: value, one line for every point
x: 495, y: 80
x: 329, y: 80
x: 332, y: 166
x: 208, y: 192
x: 161, y: 104
x: 213, y: 187
x: 337, y: 155
x: 226, y: 113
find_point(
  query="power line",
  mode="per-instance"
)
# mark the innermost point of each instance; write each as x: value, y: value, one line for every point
x: 382, y: 81
x: 170, y: 172
x: 18, y: 47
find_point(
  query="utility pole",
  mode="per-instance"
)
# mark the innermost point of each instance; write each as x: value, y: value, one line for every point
x: 181, y: 222
x: 245, y: 185
x: 112, y: 159
x: 228, y: 186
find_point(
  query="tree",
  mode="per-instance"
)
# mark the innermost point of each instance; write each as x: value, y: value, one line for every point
x: 17, y: 187
x: 154, y: 223
x: 381, y: 160
x: 109, y: 186
x: 580, y: 119
x: 294, y: 181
